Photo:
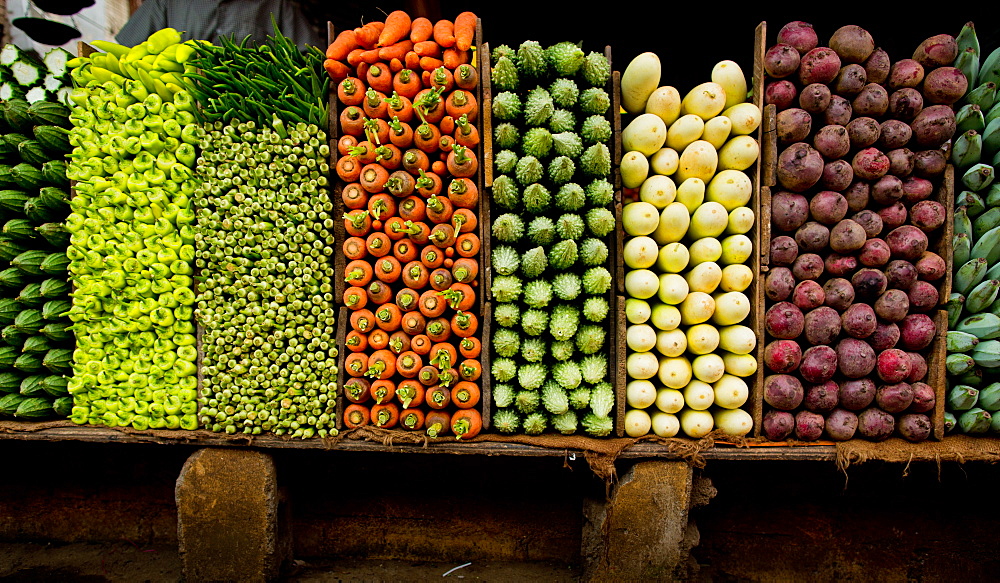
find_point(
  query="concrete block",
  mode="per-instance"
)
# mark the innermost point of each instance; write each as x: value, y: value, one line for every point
x: 641, y: 532
x: 229, y: 510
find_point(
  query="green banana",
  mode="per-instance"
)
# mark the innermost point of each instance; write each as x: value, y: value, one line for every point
x: 987, y: 247
x: 967, y: 150
x: 979, y: 176
x: 967, y: 38
x: 970, y: 117
x: 962, y: 397
x: 949, y: 422
x: 961, y: 246
x: 989, y: 68
x: 985, y: 96
x: 985, y: 222
x: 954, y: 307
x: 987, y: 353
x: 995, y: 423
x: 982, y: 296
x: 991, y: 137
x: 969, y: 275
x: 994, y: 307
x: 968, y: 63
x: 962, y: 222
x: 984, y: 325
x: 973, y: 378
x: 993, y: 272
x: 975, y: 421
x: 989, y: 397
x: 993, y: 196
x: 957, y: 363
x: 960, y: 341
x: 975, y: 205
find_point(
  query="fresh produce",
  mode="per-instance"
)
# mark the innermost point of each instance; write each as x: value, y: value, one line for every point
x: 263, y: 244
x: 552, y: 200
x: 854, y: 280
x: 27, y: 77
x: 408, y: 164
x: 686, y: 252
x: 36, y: 342
x: 132, y: 237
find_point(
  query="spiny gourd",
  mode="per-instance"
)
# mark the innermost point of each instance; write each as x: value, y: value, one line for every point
x: 565, y: 58
x: 570, y: 197
x: 600, y: 192
x: 600, y: 221
x: 538, y: 107
x: 596, y: 69
x: 567, y: 373
x: 537, y: 294
x: 529, y: 170
x: 554, y: 398
x: 534, y: 262
x: 596, y: 128
x: 594, y: 368
x: 537, y: 142
x: 567, y: 144
x: 534, y: 322
x: 505, y: 192
x: 597, y: 280
x: 531, y: 60
x: 590, y: 338
x: 565, y: 423
x: 594, y: 101
x: 507, y: 136
x: 508, y: 227
x: 569, y: 226
x: 564, y: 92
x: 593, y: 251
x: 566, y: 286
x: 596, y: 160
x: 504, y: 74
x: 561, y: 169
x: 562, y: 120
x: 505, y: 161
x: 534, y: 349
x: 563, y: 254
x: 595, y: 309
x: 537, y: 198
x: 532, y: 376
x: 562, y: 349
x: 542, y: 230
x: 506, y: 260
x: 506, y: 106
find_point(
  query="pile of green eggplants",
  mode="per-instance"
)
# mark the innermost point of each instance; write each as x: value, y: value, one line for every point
x: 264, y: 242
x: 131, y: 249
x: 973, y: 360
x: 35, y: 342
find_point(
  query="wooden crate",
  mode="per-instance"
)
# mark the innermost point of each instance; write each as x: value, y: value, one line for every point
x: 939, y: 242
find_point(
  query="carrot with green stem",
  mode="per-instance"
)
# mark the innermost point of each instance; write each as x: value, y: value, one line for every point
x: 441, y: 279
x: 464, y: 220
x: 399, y: 106
x: 431, y: 257
x: 356, y: 363
x: 382, y: 206
x: 356, y: 341
x: 405, y: 251
x: 466, y: 77
x: 465, y: 394
x: 416, y: 160
x: 345, y: 143
x: 385, y: 415
x: 442, y: 235
x: 426, y: 137
x: 408, y: 364
x: 352, y: 121
x: 388, y: 269
x: 470, y: 347
x: 464, y: 270
x: 406, y: 299
x: 381, y: 365
x: 355, y: 298
x: 390, y: 156
x: 400, y: 134
x: 383, y: 390
x: 357, y: 222
x: 374, y: 104
x: 377, y: 131
x: 429, y: 184
x: 357, y: 389
x: 438, y: 329
x: 438, y: 423
x: 445, y: 143
x: 428, y: 375
x: 429, y: 106
x: 351, y: 91
x: 411, y: 419
x: 358, y: 273
x: 447, y: 377
x: 464, y: 324
x: 364, y: 151
x: 416, y: 275
x: 399, y: 342
x: 463, y: 194
x: 395, y: 228
x: 439, y: 209
x: 388, y: 317
x: 466, y: 134
x: 460, y: 296
x: 378, y: 244
x: 406, y: 83
x: 362, y: 320
x: 470, y: 369
x: 437, y: 397
x: 431, y: 304
x: 468, y: 245
x: 443, y: 355
x: 379, y: 293
x: 462, y: 162
x: 442, y: 80
x: 412, y: 208
x: 378, y: 77
x: 466, y: 423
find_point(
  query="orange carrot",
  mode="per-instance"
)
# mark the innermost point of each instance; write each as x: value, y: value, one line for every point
x: 348, y: 168
x: 466, y: 77
x: 401, y: 184
x: 460, y: 296
x: 345, y: 42
x: 465, y: 394
x: 354, y: 196
x: 405, y: 251
x: 466, y: 135
x: 386, y: 415
x: 356, y: 415
x: 462, y: 193
x: 345, y: 143
x: 399, y: 342
x: 467, y: 245
x: 372, y: 178
x: 464, y: 324
x: 388, y: 269
x: 378, y: 339
x: 412, y: 419
x: 414, y: 324
x: 439, y: 209
x: 354, y: 57
x: 358, y: 389
x: 420, y: 344
x: 357, y: 223
x: 415, y: 275
x: 382, y: 206
x: 466, y: 423
x: 461, y: 102
x: 358, y: 273
x: 352, y: 120
x: 378, y: 293
x: 442, y: 79
x: 380, y: 77
x: 470, y: 369
x: 406, y: 83
x: 378, y: 244
x: 430, y: 63
x: 447, y: 125
x: 336, y: 70
x: 431, y: 257
x: 445, y: 143
x: 374, y: 104
x: 408, y: 364
x: 427, y: 48
x: 464, y: 220
x: 396, y: 65
x: 465, y: 30
x: 452, y: 58
x: 470, y: 347
x: 367, y: 36
x: 356, y: 364
x: 438, y: 329
x: 443, y: 235
x: 443, y: 355
x: 383, y: 390
x: 356, y: 341
x: 362, y: 320
x: 370, y: 56
x: 444, y: 33
x: 399, y: 107
x: 388, y: 317
x: 381, y: 365
x: 407, y: 299
x: 421, y: 29
x: 396, y: 51
x: 397, y: 27
x: 412, y: 208
x: 465, y: 270
x: 462, y: 162
x: 416, y: 161
x: 437, y: 397
x: 355, y: 297
x: 438, y: 423
x: 412, y: 61
x: 410, y: 392
x: 427, y: 137
x: 438, y: 167
x: 432, y: 304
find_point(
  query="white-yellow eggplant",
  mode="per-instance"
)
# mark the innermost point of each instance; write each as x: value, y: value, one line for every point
x: 646, y: 133
x: 658, y: 190
x: 729, y: 75
x: 640, y: 79
x: 634, y: 169
x: 739, y: 153
x: 699, y: 160
x: 706, y: 100
x: 665, y: 102
x: 685, y: 130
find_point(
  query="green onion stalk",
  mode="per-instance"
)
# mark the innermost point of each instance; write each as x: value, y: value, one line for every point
x: 131, y: 249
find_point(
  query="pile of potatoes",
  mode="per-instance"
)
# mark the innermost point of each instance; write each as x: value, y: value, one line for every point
x: 852, y: 284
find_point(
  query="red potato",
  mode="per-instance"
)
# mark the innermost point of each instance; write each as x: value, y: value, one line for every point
x: 800, y: 35
x: 821, y: 398
x: 905, y: 73
x: 933, y: 126
x: 822, y: 325
x: 809, y: 426
x: 852, y: 43
x: 872, y: 100
x: 937, y: 51
x: 870, y: 221
x: 893, y: 215
x: 945, y: 85
x: 850, y: 80
x: 856, y: 394
x: 874, y: 253
x: 923, y: 296
x: 893, y: 134
x: 929, y: 163
x: 789, y: 210
x: 815, y: 98
x: 841, y: 425
x: 894, y: 398
x: 808, y: 266
x: 915, y: 427
x: 781, y: 93
x: 839, y: 265
x: 779, y: 284
x: 868, y: 284
x: 901, y: 164
x: 887, y: 190
x: 812, y: 237
x: 931, y: 266
x: 793, y: 125
x: 784, y: 250
x: 900, y: 274
x: 781, y: 60
x: 839, y: 112
x: 784, y: 320
x: 778, y: 425
x: 783, y: 392
x: 832, y: 142
x: 907, y: 242
x: 857, y: 194
x: 837, y: 175
x: 782, y: 356
x: 875, y: 424
x: 905, y: 103
x: 856, y: 358
x: 819, y: 364
x: 808, y: 295
x: 828, y: 207
x: 918, y: 368
x: 892, y: 305
x: 886, y: 336
x: 927, y: 215
x: 924, y: 397
x: 893, y: 367
x: 847, y: 236
x: 858, y: 321
x: 863, y: 132
x: 916, y: 332
x: 800, y: 167
x: 877, y: 66
x: 916, y: 189
x: 838, y: 293
x: 820, y: 65
x: 870, y: 164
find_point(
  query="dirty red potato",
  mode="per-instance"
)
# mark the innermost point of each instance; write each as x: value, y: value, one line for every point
x: 856, y: 253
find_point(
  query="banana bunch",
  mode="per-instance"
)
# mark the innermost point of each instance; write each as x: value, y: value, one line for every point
x: 974, y: 305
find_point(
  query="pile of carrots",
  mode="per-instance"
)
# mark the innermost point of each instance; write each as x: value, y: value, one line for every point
x: 408, y: 168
